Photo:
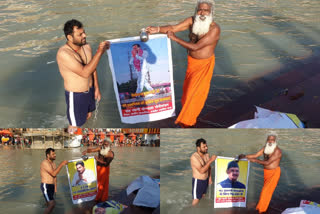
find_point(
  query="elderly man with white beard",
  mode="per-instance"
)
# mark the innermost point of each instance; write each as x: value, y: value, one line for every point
x: 272, y: 157
x: 204, y: 36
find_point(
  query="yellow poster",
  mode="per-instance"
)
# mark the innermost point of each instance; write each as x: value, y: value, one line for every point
x: 231, y: 180
x: 82, y: 176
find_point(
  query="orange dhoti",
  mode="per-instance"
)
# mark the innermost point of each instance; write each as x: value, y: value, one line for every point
x: 103, y: 183
x: 195, y: 89
x: 271, y: 178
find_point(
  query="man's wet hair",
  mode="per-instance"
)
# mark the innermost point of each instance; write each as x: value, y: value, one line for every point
x: 69, y: 25
x: 48, y: 151
x: 136, y: 45
x: 199, y: 141
x: 233, y: 164
x: 80, y: 162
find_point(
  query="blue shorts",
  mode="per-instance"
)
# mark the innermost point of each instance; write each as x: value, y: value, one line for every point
x: 79, y: 104
x: 199, y: 187
x: 48, y: 191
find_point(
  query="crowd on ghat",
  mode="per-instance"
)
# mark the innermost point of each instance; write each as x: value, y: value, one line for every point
x: 90, y: 137
x: 96, y: 137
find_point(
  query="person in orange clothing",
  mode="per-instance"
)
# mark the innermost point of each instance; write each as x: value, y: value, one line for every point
x: 102, y: 136
x: 104, y: 158
x: 91, y: 137
x: 204, y: 36
x: 272, y: 157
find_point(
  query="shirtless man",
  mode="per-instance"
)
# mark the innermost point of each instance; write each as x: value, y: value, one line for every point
x: 77, y: 67
x: 272, y: 156
x: 49, y: 172
x: 204, y: 36
x: 201, y: 170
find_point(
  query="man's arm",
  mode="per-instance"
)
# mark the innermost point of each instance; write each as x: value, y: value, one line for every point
x: 55, y: 181
x: 210, y: 38
x: 258, y: 154
x: 182, y: 26
x: 91, y: 150
x: 64, y: 58
x: 97, y: 94
x: 46, y: 166
x: 202, y: 169
x: 275, y: 156
x: 210, y: 177
x: 55, y: 184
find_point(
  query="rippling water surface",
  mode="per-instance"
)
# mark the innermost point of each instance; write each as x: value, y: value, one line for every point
x: 257, y: 37
x: 299, y: 164
x: 20, y: 176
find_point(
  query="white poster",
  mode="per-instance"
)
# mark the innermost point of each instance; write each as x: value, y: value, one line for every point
x: 231, y: 182
x: 142, y: 78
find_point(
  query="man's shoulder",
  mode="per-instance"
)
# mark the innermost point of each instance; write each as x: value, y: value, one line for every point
x: 193, y: 154
x: 44, y: 163
x: 240, y: 185
x: 215, y: 27
x: 278, y: 151
x: 224, y: 182
x: 193, y: 157
x: 63, y: 52
x: 189, y: 19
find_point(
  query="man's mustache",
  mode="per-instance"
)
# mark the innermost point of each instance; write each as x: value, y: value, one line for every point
x: 202, y: 17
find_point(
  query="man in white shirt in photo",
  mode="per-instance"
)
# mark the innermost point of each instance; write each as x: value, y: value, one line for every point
x: 84, y: 176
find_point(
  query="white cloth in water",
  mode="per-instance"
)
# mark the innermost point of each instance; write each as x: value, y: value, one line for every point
x: 265, y: 118
x: 148, y: 194
x: 302, y: 210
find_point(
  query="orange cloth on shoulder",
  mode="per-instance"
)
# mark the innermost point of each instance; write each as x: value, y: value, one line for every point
x: 195, y: 89
x: 271, y: 178
x: 103, y: 183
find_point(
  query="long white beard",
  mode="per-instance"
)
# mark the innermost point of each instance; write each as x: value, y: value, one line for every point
x: 201, y: 27
x: 269, y: 149
x: 105, y: 151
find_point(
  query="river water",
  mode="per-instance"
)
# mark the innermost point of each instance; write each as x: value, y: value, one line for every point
x: 20, y: 176
x: 299, y: 167
x: 257, y: 37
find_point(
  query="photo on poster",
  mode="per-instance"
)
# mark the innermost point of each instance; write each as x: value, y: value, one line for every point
x: 231, y: 182
x: 142, y: 78
x: 82, y: 177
